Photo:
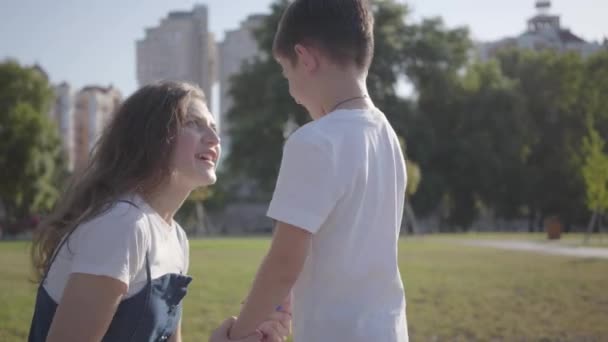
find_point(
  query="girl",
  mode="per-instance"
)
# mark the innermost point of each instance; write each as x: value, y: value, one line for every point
x: 111, y: 261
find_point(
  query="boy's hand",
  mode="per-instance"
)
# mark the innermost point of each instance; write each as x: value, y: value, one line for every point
x: 221, y: 333
x: 274, y: 331
x: 278, y: 326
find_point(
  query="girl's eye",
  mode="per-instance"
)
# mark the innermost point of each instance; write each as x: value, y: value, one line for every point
x: 193, y: 124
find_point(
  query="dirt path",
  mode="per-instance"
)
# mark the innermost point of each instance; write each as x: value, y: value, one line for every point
x: 546, y: 248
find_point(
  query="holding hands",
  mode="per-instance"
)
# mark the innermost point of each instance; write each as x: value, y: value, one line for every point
x: 275, y: 329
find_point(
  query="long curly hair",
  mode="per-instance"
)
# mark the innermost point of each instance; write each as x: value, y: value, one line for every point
x: 132, y: 155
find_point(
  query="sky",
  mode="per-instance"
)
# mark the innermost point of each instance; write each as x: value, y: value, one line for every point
x: 86, y: 42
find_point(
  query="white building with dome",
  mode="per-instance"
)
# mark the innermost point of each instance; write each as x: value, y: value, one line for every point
x: 544, y: 31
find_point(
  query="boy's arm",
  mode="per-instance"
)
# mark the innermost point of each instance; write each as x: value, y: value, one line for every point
x: 275, y: 278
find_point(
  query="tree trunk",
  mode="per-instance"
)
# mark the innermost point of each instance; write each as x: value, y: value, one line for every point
x: 590, y: 227
x: 598, y: 224
x: 540, y: 222
x: 601, y: 224
x: 409, y: 219
x: 531, y: 221
x: 567, y: 225
x: 9, y: 218
x: 200, y: 227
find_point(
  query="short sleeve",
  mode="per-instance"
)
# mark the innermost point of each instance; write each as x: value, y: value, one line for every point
x: 307, y: 187
x: 113, y: 244
x: 185, y: 245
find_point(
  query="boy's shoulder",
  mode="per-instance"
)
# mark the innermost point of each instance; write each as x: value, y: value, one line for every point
x: 311, y: 133
x: 328, y: 125
x: 338, y: 127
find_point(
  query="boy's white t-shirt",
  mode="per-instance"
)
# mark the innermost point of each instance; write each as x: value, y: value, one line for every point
x: 343, y: 179
x: 114, y: 244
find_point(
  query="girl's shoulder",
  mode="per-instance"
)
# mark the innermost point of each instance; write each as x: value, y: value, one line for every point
x: 120, y: 211
x: 121, y: 219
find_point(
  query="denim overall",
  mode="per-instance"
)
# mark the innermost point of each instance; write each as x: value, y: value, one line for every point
x: 150, y: 315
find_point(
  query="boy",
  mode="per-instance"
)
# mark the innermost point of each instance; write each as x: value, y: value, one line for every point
x: 339, y: 196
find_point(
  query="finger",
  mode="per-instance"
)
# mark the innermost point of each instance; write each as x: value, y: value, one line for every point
x: 221, y: 333
x: 256, y: 337
x: 227, y: 323
x: 283, y: 318
x: 273, y: 337
x: 274, y: 329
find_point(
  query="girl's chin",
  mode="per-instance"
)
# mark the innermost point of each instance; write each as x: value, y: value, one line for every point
x: 206, y: 179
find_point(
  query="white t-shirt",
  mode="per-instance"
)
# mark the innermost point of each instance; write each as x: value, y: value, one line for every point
x: 115, y: 243
x: 343, y: 179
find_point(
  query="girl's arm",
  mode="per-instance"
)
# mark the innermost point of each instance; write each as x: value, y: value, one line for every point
x: 177, y: 337
x: 86, y: 308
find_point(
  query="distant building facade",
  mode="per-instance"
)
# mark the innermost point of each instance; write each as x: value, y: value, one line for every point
x: 94, y: 107
x: 239, y: 46
x: 62, y: 112
x: 544, y: 32
x: 180, y: 48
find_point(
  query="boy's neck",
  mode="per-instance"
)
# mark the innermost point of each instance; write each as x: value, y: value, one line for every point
x: 342, y: 90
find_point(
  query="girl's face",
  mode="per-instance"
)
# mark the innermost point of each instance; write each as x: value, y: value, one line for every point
x: 197, y: 148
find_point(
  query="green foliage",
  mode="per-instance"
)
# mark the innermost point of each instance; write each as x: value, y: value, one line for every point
x: 263, y: 105
x: 504, y: 136
x: 551, y: 85
x: 30, y: 149
x: 595, y: 172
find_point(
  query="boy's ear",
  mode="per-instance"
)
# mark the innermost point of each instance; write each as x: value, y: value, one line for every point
x: 307, y: 57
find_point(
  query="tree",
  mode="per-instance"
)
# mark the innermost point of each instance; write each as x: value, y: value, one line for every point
x: 192, y: 213
x: 428, y: 53
x: 593, y: 99
x: 414, y: 176
x: 262, y: 104
x: 470, y: 133
x: 433, y: 55
x: 261, y: 108
x: 491, y: 135
x: 595, y: 174
x: 551, y: 84
x: 504, y: 136
x: 30, y: 149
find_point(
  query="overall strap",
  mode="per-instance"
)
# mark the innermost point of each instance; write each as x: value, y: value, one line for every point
x: 148, y: 271
x: 148, y: 289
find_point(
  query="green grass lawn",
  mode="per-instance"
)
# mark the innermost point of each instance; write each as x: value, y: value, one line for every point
x: 454, y: 292
x: 567, y: 239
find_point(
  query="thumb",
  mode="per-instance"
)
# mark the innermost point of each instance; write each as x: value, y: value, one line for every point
x: 255, y: 337
x: 221, y: 333
x: 227, y: 324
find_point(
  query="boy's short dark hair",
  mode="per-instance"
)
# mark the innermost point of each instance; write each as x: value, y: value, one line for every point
x: 344, y: 29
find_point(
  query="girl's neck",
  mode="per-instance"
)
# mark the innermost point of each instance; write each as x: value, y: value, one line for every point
x: 166, y: 200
